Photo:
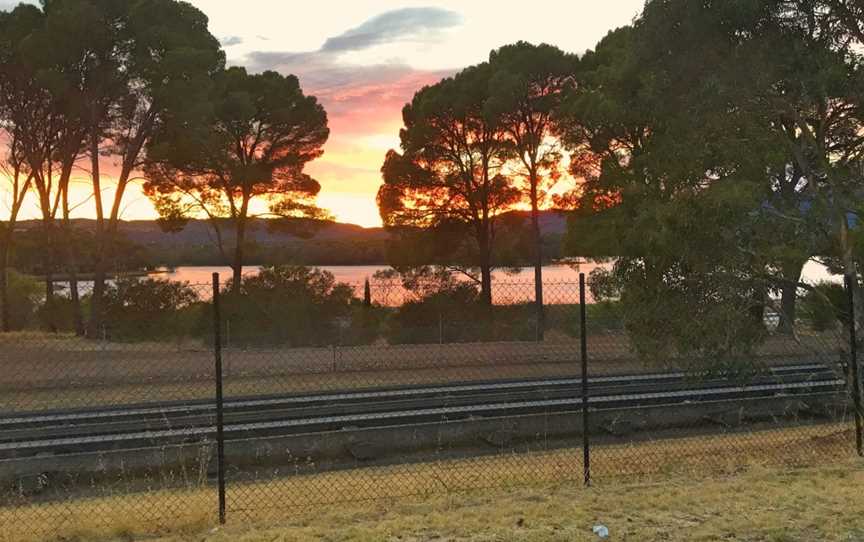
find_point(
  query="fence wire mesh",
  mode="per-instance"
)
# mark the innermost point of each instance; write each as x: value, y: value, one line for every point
x: 338, y: 392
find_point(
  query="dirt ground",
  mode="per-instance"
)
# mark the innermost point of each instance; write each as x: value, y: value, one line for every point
x: 42, y: 371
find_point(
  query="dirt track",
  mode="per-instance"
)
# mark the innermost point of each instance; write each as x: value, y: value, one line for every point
x: 39, y: 360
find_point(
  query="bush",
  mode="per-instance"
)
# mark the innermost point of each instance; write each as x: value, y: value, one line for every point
x: 711, y: 316
x: 24, y: 294
x: 295, y: 306
x: 825, y: 306
x: 601, y: 316
x: 149, y: 309
x: 60, y: 316
x: 363, y: 326
x: 455, y: 313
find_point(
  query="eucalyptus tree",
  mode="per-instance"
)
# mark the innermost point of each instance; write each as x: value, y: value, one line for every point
x: 665, y: 184
x: 167, y: 58
x: 251, y: 140
x: 449, y: 181
x: 763, y: 95
x: 41, y: 122
x: 816, y: 90
x: 13, y: 163
x: 77, y: 53
x: 804, y: 88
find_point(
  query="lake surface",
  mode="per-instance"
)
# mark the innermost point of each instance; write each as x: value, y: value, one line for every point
x: 560, y: 281
x: 355, y: 274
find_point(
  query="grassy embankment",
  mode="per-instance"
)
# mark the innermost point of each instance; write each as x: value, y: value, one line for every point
x: 781, y: 485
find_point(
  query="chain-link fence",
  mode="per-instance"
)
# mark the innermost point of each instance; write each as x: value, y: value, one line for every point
x: 196, y: 403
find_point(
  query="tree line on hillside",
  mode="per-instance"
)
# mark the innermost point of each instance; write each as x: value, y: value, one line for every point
x: 717, y: 147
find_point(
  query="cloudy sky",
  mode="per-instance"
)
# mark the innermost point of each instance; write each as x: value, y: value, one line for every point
x: 365, y: 58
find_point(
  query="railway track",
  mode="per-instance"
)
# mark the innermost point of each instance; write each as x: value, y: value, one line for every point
x: 56, y: 433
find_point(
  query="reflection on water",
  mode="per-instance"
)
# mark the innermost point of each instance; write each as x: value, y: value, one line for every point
x: 509, y: 286
x: 358, y: 273
x: 813, y: 272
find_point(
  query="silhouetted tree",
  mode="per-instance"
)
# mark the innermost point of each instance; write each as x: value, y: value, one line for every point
x: 13, y: 168
x: 33, y: 114
x: 167, y: 59
x: 448, y: 179
x: 367, y: 293
x: 526, y: 89
x: 253, y: 143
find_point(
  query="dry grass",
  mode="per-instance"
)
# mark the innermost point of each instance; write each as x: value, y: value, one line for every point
x: 760, y: 505
x: 681, y: 489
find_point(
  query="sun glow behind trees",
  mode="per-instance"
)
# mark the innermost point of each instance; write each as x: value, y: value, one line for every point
x: 363, y: 118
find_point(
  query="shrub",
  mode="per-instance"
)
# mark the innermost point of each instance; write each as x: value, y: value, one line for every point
x: 711, y: 316
x: 825, y: 306
x: 149, y: 309
x: 60, y: 316
x: 295, y: 306
x: 24, y: 294
x: 601, y: 316
x: 455, y: 313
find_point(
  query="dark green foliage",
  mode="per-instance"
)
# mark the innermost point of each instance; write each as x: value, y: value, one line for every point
x: 603, y: 316
x: 826, y: 306
x: 455, y: 313
x: 363, y: 325
x: 674, y: 314
x: 367, y: 293
x: 24, y: 294
x: 150, y: 309
x: 251, y: 141
x: 294, y: 306
x: 60, y: 314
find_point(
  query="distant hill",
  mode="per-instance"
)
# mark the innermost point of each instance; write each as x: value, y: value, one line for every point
x: 306, y: 242
x: 198, y: 232
x: 551, y: 222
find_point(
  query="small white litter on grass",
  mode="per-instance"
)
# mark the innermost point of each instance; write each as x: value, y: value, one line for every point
x: 601, y: 530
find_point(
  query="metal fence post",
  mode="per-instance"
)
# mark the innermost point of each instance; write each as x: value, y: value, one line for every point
x: 220, y: 435
x: 583, y: 334
x: 853, y: 360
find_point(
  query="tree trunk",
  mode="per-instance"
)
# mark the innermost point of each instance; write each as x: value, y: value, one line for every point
x: 97, y: 299
x: 71, y: 266
x: 49, y: 260
x: 70, y: 251
x: 71, y: 260
x: 237, y: 265
x: 486, y: 284
x: 791, y: 274
x: 6, y: 249
x: 50, y: 317
x: 538, y: 260
x: 76, y: 301
x: 4, y: 283
x: 850, y: 269
x: 485, y: 270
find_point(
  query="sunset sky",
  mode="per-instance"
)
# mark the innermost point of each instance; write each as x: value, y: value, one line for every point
x: 364, y: 59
